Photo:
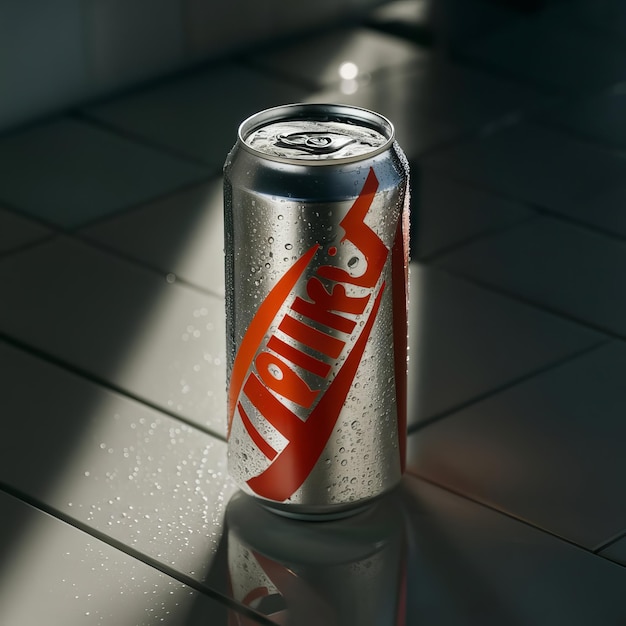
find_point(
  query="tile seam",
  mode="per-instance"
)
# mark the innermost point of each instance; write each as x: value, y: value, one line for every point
x: 503, y: 512
x: 503, y: 291
x: 137, y: 206
x: 112, y: 214
x: 84, y: 117
x: 131, y: 552
x: 145, y: 265
x: 25, y: 247
x: 509, y: 385
x: 87, y: 376
x: 609, y: 542
x: 486, y: 234
x: 114, y: 252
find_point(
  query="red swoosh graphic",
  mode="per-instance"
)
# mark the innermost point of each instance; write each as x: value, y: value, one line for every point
x: 259, y: 325
x: 292, y: 466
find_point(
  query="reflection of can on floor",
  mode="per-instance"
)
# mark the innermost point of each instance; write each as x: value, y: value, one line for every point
x: 337, y: 573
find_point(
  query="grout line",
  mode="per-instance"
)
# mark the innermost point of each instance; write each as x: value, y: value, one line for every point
x: 582, y: 224
x: 137, y: 138
x: 76, y: 233
x: 101, y: 382
x: 112, y: 214
x: 609, y: 542
x: 142, y: 204
x: 134, y: 553
x: 532, y: 303
x: 25, y: 214
x: 539, y: 212
x: 521, y: 520
x: 146, y: 265
x: 46, y: 238
x: 85, y: 239
x: 485, y: 234
x: 508, y: 385
x: 540, y: 209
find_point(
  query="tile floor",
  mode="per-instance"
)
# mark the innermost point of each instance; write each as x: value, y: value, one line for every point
x: 115, y: 504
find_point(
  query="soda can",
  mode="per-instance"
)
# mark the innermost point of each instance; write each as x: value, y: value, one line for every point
x: 316, y: 253
x: 342, y: 572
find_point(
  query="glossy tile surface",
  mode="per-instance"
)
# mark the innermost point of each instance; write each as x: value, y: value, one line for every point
x: 53, y: 573
x: 197, y: 115
x: 182, y: 234
x: 558, y: 266
x: 564, y: 56
x: 435, y: 102
x: 112, y: 324
x: 598, y: 119
x: 160, y: 341
x: 114, y: 465
x: 416, y: 132
x: 345, y: 54
x: 469, y: 564
x: 17, y: 231
x: 568, y: 174
x: 466, y: 341
x: 446, y: 212
x: 607, y: 17
x: 83, y: 172
x: 616, y: 551
x: 116, y: 57
x: 546, y: 451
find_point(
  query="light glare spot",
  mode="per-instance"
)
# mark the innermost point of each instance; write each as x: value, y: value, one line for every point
x: 348, y: 70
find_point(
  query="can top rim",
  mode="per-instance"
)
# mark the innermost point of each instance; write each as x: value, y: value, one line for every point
x: 317, y: 112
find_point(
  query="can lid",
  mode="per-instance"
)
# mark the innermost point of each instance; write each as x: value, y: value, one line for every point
x: 316, y: 133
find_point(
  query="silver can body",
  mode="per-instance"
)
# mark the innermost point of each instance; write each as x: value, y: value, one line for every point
x: 316, y: 247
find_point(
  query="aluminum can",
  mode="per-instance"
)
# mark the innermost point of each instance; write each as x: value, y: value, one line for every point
x: 316, y: 254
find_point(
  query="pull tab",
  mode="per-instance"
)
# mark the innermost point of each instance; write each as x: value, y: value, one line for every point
x: 314, y: 142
